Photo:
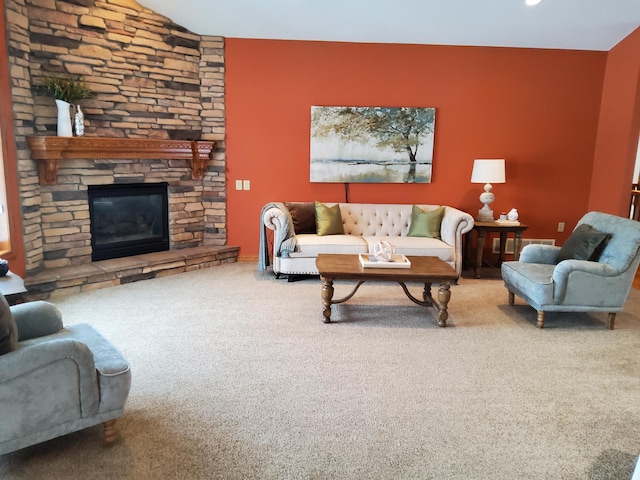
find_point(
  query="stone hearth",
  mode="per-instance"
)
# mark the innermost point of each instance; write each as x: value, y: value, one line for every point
x: 108, y: 273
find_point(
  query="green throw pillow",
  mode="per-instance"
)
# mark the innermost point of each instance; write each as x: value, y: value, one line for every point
x: 8, y: 328
x: 582, y: 244
x: 425, y: 224
x: 328, y: 220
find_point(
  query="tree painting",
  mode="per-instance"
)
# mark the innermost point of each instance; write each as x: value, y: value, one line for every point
x: 372, y: 144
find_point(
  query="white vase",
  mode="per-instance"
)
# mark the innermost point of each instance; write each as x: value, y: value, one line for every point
x: 64, y: 118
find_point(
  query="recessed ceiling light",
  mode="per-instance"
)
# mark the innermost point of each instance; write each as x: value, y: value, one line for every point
x: 532, y: 2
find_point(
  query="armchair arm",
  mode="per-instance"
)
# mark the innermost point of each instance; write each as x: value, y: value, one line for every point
x: 567, y: 267
x: 40, y: 355
x: 36, y: 319
x: 535, y: 253
x: 582, y: 281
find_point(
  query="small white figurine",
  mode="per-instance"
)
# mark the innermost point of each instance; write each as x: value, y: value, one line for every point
x: 384, y: 251
x: 79, y: 121
x: 512, y: 215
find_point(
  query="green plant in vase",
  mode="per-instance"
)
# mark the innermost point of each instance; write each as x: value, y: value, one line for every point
x: 66, y: 91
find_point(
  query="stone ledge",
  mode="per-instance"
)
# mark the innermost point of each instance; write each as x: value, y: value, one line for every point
x: 108, y: 273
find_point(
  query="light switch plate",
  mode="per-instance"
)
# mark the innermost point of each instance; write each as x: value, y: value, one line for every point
x: 247, y: 184
x: 238, y: 184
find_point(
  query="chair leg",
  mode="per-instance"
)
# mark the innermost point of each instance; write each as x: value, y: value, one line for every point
x: 110, y: 433
x: 612, y: 320
x: 511, y: 298
x: 540, y: 322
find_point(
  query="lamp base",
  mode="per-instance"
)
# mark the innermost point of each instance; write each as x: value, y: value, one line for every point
x: 485, y: 214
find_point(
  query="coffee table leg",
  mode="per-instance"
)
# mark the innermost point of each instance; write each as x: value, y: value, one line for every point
x: 426, y: 294
x: 327, y: 295
x: 444, y: 295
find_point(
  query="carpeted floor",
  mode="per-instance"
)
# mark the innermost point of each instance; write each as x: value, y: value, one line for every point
x: 236, y: 377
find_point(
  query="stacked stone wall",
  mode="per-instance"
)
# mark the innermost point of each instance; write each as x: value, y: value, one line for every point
x: 153, y: 79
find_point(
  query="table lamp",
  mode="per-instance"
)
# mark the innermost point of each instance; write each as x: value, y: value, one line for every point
x: 487, y: 171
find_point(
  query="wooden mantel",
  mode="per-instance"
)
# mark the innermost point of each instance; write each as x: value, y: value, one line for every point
x: 50, y: 150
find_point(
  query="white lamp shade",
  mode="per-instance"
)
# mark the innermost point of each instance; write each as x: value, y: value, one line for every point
x: 488, y: 170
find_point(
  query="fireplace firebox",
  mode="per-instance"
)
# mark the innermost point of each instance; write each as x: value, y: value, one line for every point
x: 128, y: 219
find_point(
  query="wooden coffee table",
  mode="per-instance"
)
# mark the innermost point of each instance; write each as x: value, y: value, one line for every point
x: 427, y: 270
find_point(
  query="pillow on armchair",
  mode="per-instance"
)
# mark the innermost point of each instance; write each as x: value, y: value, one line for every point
x: 584, y: 243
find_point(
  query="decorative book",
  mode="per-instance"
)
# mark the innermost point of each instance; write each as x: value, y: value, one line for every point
x: 370, y: 261
x: 507, y: 222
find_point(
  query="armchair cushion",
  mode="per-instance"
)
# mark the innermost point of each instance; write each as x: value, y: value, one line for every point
x: 425, y: 224
x: 534, y: 279
x: 8, y: 328
x: 583, y: 244
x: 328, y: 219
x: 538, y: 253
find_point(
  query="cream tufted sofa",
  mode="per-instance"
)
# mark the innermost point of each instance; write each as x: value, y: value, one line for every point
x: 364, y: 224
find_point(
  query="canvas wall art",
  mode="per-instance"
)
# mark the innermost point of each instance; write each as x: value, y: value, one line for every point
x: 372, y: 144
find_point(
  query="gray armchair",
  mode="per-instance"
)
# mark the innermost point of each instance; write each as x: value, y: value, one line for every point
x: 597, y: 276
x: 55, y: 380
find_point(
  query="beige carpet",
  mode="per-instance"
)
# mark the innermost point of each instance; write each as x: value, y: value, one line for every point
x: 236, y: 377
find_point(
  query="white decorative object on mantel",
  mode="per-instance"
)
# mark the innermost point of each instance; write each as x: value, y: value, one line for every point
x: 64, y: 118
x: 79, y: 121
x: 512, y: 215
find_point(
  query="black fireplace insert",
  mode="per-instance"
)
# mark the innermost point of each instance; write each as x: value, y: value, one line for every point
x: 128, y: 219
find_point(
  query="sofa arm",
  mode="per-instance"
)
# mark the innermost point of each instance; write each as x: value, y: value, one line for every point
x: 455, y: 223
x: 276, y: 217
x: 39, y: 356
x: 36, y: 319
x: 535, y: 253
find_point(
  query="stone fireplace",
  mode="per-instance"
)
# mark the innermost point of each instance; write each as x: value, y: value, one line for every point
x: 154, y: 81
x: 81, y: 178
x: 69, y: 167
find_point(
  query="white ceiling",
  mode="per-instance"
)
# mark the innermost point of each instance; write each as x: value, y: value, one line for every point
x: 564, y: 24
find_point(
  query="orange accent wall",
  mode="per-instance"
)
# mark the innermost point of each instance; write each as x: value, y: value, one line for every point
x: 538, y: 109
x: 618, y: 131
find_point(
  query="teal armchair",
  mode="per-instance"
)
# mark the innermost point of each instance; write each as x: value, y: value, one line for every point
x: 55, y: 380
x: 596, y: 275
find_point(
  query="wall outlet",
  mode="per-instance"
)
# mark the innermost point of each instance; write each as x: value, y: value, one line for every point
x: 560, y: 227
x: 246, y: 184
x: 238, y: 184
